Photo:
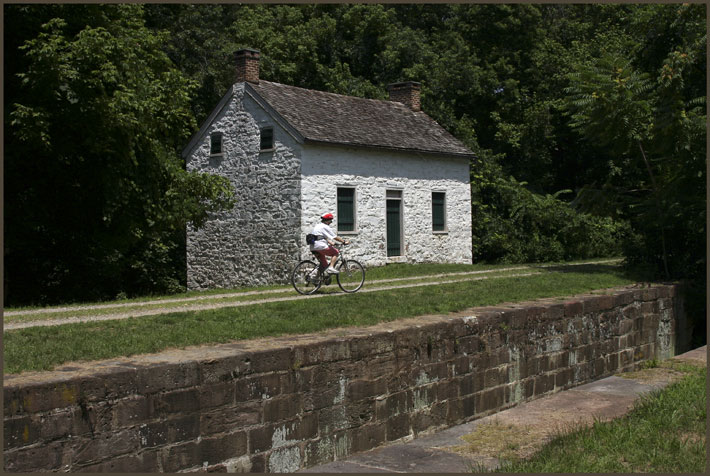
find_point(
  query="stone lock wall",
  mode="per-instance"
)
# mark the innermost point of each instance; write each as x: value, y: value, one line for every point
x: 280, y: 404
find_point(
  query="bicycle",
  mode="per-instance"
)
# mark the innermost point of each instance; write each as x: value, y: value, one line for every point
x: 308, y: 276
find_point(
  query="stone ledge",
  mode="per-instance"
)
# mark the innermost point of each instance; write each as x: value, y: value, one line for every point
x: 272, y: 404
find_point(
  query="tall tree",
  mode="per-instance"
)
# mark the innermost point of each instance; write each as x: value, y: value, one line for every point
x: 97, y: 196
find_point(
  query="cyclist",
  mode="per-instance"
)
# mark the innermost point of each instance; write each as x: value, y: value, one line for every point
x: 325, y: 240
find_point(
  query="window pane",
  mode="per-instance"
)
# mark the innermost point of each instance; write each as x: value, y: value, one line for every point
x: 346, y: 209
x: 438, y: 211
x: 267, y: 138
x: 216, y: 143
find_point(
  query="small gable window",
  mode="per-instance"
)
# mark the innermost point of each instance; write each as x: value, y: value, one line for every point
x: 438, y: 211
x: 267, y: 138
x: 216, y: 143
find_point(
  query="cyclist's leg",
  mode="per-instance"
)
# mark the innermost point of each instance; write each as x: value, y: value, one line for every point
x: 333, y: 253
x: 321, y: 259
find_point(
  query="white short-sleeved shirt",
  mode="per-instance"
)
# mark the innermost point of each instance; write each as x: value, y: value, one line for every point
x: 324, y: 231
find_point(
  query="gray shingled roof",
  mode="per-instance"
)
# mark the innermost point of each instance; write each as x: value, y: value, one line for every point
x: 333, y: 118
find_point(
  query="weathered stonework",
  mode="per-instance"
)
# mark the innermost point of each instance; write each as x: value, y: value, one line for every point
x: 372, y: 174
x: 281, y: 404
x: 256, y: 242
x: 281, y: 194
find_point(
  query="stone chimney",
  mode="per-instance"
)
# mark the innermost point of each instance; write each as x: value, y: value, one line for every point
x: 247, y: 61
x: 407, y: 93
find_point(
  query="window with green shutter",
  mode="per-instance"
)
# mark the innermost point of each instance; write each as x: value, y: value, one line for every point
x: 346, y: 209
x: 438, y: 211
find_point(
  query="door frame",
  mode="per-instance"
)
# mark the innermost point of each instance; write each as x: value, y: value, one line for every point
x: 395, y: 194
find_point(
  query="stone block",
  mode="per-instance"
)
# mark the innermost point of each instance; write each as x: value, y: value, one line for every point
x: 528, y: 388
x: 143, y: 462
x: 180, y: 456
x: 367, y: 437
x: 259, y: 387
x: 258, y: 463
x: 447, y: 389
x: 364, y: 389
x: 285, y: 459
x: 281, y: 408
x: 176, y: 401
x: 20, y: 431
x: 470, y: 344
x: 468, y: 405
x: 224, y: 369
x: 41, y: 397
x: 573, y: 308
x: 271, y: 360
x: 217, y: 449
x: 395, y: 404
x: 398, y: 427
x: 564, y: 378
x: 121, y: 382
x: 172, y: 430
x: 459, y: 366
x: 515, y: 318
x: 544, y: 383
x: 489, y: 400
x: 230, y: 418
x: 261, y: 438
x: 649, y: 294
x: 380, y: 366
x: 322, y: 352
x: 375, y: 344
x: 494, y: 377
x: 165, y: 377
x: 435, y: 417
x: 454, y: 411
x: 98, y: 446
x: 429, y: 373
x: 554, y: 312
x: 219, y: 394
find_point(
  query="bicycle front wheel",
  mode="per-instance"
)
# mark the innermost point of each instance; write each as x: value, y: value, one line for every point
x: 305, y: 277
x: 351, y: 276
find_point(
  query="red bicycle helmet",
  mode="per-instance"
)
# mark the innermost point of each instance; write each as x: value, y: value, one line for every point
x: 327, y: 216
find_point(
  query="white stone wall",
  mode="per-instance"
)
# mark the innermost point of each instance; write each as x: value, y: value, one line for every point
x: 374, y: 172
x: 257, y: 242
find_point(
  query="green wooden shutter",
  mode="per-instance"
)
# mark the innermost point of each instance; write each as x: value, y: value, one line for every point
x: 394, y: 233
x: 346, y: 209
x: 438, y: 211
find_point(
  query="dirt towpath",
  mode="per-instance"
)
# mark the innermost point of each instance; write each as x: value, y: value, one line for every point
x: 113, y: 311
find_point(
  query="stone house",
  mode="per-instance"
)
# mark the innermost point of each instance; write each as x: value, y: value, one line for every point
x: 397, y: 182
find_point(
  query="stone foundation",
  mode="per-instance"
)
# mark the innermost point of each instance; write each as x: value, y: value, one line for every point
x: 281, y: 404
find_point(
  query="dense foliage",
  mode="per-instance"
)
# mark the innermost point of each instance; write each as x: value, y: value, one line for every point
x: 588, y: 122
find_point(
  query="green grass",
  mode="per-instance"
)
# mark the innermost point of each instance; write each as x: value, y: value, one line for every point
x: 43, y: 348
x: 664, y: 433
x: 376, y: 277
x: 229, y: 297
x: 391, y: 271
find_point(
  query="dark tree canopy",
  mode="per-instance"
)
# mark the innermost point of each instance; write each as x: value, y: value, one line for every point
x: 588, y: 122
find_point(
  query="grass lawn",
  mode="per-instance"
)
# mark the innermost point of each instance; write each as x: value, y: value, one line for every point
x: 42, y: 348
x: 664, y: 433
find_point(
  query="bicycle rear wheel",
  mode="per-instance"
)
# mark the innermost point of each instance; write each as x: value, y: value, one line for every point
x: 302, y: 279
x: 351, y: 276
